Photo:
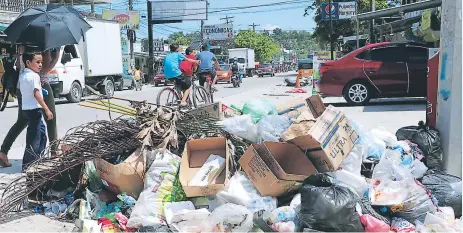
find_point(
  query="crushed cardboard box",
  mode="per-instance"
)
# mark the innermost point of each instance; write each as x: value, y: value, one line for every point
x: 276, y: 168
x: 126, y: 177
x: 194, y: 156
x: 217, y: 111
x: 328, y: 141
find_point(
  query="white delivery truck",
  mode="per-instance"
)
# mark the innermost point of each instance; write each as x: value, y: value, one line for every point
x: 96, y: 61
x: 246, y: 59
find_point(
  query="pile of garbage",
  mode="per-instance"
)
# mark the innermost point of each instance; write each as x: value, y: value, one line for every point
x: 246, y: 171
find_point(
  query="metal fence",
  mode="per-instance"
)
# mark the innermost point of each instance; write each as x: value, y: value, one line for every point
x: 19, y: 5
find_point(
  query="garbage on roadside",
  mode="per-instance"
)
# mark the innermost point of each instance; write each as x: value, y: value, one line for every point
x: 260, y: 171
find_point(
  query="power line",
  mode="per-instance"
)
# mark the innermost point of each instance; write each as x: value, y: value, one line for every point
x: 227, y: 19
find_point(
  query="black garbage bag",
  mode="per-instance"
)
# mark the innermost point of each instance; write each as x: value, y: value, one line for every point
x: 445, y: 188
x: 428, y: 139
x: 328, y: 207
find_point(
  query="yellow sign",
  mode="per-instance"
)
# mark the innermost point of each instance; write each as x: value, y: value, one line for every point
x: 127, y: 19
x: 426, y: 20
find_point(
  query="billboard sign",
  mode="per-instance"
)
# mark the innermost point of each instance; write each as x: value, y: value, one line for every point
x: 158, y: 45
x: 339, y: 10
x: 127, y: 19
x: 179, y: 10
x: 218, y: 32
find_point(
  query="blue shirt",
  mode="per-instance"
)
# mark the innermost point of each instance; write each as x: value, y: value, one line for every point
x: 207, y: 58
x: 172, y: 65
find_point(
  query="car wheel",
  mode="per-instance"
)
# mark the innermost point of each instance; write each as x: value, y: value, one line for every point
x: 357, y: 93
x: 75, y: 94
x: 156, y: 84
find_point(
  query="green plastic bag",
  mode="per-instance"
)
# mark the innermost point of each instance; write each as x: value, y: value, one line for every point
x: 94, y: 181
x: 259, y: 108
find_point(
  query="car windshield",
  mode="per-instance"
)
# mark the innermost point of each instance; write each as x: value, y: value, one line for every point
x: 224, y: 67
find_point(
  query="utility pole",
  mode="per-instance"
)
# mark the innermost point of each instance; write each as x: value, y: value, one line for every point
x: 92, y: 9
x: 372, y: 23
x: 150, y: 39
x: 253, y: 25
x: 227, y: 19
x: 330, y: 4
x: 201, y: 32
x: 131, y: 35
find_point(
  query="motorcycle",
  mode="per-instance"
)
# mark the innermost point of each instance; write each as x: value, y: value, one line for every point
x: 235, y: 79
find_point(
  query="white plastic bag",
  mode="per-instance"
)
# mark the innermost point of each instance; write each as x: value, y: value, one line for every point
x: 241, y: 191
x: 229, y: 218
x: 271, y: 127
x: 353, y: 161
x: 159, y: 182
x: 387, y: 137
x: 241, y: 126
x: 184, y: 217
x: 351, y: 180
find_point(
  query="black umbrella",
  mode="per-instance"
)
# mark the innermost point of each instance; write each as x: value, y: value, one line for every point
x: 48, y: 26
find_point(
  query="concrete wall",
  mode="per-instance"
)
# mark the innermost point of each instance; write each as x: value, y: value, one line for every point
x: 449, y: 104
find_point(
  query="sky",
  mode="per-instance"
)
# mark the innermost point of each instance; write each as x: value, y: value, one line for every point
x: 288, y: 16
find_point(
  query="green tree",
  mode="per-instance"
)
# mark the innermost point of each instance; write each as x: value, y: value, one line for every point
x: 178, y: 38
x: 301, y: 42
x: 341, y: 27
x: 264, y: 46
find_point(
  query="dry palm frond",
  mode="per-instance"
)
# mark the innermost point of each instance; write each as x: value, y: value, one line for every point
x: 100, y: 139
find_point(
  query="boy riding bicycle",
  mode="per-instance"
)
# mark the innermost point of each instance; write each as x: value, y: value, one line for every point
x: 172, y: 71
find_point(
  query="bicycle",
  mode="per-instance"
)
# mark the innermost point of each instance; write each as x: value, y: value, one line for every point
x: 199, y: 94
x: 208, y: 87
x: 138, y: 85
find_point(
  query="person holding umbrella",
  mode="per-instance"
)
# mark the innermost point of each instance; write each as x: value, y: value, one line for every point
x: 45, y: 27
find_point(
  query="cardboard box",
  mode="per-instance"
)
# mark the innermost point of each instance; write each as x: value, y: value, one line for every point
x: 194, y: 156
x: 329, y: 141
x: 276, y: 168
x: 292, y: 108
x: 217, y: 111
x: 316, y: 105
x: 124, y: 177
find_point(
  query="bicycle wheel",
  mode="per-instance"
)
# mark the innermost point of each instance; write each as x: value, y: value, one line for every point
x: 167, y: 97
x: 200, y: 96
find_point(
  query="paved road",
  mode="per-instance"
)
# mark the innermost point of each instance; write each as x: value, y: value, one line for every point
x: 392, y: 114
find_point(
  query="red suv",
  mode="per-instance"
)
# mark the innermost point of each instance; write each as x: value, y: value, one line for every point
x: 376, y: 71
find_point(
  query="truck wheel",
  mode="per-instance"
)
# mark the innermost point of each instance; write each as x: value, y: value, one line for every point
x: 75, y: 94
x: 108, y: 88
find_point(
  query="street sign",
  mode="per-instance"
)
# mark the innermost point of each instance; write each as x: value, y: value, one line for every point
x: 158, y: 45
x: 339, y: 10
x: 218, y: 32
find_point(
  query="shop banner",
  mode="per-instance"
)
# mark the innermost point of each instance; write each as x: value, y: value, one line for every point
x: 218, y: 32
x: 319, y: 57
x: 339, y: 10
x: 127, y: 19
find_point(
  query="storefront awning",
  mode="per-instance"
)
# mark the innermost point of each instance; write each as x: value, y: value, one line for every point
x: 399, y: 9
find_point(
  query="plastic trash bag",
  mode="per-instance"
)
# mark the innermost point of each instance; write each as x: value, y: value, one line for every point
x: 284, y: 226
x: 271, y: 127
x: 373, y: 224
x: 439, y: 222
x: 401, y: 225
x: 376, y: 147
x: 259, y: 108
x: 241, y: 126
x: 241, y: 191
x: 328, y: 207
x: 428, y: 139
x: 445, y: 188
x: 94, y: 181
x: 385, y: 136
x: 158, y: 189
x: 229, y: 218
x: 350, y: 175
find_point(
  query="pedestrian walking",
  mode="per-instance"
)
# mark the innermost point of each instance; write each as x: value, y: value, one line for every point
x: 32, y: 106
x: 48, y: 62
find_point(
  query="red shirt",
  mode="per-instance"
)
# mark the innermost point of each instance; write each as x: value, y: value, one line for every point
x: 187, y: 67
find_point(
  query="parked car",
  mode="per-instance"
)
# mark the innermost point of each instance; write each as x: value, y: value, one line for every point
x: 127, y: 82
x: 160, y: 78
x: 224, y: 74
x: 376, y: 71
x: 265, y: 69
